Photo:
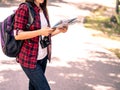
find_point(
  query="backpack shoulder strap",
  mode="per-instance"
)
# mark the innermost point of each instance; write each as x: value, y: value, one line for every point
x: 31, y: 14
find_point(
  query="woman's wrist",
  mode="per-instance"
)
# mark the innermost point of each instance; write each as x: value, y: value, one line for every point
x: 56, y: 31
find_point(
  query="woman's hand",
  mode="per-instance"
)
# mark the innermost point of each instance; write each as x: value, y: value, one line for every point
x: 63, y: 28
x: 46, y: 31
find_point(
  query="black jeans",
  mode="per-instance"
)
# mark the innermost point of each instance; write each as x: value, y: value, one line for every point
x: 37, y: 79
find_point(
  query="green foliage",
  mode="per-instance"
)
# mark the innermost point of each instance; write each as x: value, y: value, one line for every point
x: 110, y: 29
x: 103, y: 23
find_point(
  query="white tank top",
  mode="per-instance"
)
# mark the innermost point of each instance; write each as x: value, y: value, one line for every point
x: 42, y: 52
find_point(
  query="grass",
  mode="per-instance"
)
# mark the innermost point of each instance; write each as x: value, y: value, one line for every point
x: 106, y: 24
x: 101, y: 23
x: 116, y: 52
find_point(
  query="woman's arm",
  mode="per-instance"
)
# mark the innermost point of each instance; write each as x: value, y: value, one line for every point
x: 22, y: 35
x: 44, y: 31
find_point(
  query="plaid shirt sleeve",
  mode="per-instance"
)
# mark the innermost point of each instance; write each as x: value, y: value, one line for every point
x: 21, y: 18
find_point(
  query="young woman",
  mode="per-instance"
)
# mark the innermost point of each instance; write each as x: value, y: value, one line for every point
x: 33, y: 56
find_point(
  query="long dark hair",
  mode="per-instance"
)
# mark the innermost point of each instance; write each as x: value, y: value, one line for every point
x: 43, y: 5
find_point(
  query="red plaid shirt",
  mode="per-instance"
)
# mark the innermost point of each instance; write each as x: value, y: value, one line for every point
x: 29, y: 51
